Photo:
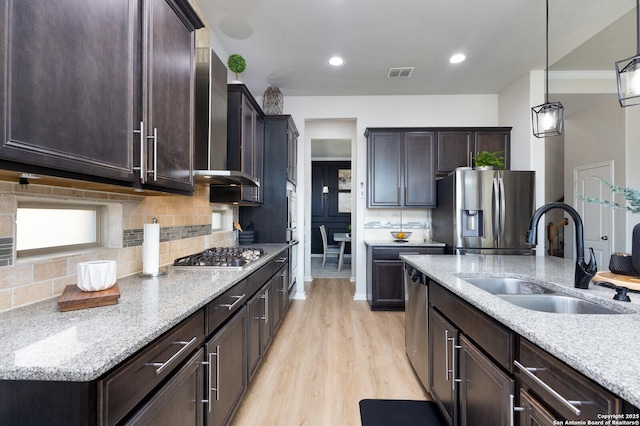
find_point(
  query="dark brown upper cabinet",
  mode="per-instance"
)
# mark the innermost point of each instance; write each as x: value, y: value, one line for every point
x: 401, y: 168
x: 245, y: 148
x: 83, y: 78
x: 457, y: 147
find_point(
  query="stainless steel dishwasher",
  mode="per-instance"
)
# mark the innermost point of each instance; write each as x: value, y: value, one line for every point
x: 416, y: 291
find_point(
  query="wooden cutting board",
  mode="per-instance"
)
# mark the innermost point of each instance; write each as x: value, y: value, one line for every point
x: 619, y: 280
x: 73, y: 298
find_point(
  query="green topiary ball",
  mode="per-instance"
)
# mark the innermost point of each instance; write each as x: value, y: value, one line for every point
x: 236, y: 63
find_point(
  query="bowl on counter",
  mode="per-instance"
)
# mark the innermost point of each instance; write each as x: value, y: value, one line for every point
x: 401, y: 236
x: 97, y: 276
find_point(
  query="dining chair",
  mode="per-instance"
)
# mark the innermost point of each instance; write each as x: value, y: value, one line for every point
x: 327, y: 250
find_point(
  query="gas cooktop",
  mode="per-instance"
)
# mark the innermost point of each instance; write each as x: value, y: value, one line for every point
x: 221, y: 257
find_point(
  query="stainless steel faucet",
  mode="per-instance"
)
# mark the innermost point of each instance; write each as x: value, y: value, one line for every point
x: 584, y: 272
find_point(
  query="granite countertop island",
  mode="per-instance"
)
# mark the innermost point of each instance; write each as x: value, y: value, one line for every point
x: 39, y: 342
x: 603, y: 347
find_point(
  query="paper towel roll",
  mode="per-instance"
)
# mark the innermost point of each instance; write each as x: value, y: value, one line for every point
x: 151, y: 249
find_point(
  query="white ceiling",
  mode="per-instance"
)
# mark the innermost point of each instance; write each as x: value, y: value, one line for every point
x: 287, y: 43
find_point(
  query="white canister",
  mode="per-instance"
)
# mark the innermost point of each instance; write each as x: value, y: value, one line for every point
x: 97, y: 276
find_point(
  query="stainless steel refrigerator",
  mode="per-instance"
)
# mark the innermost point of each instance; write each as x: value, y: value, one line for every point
x: 484, y: 211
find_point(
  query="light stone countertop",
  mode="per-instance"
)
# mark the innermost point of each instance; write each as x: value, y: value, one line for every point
x: 39, y: 342
x: 409, y: 243
x: 605, y: 348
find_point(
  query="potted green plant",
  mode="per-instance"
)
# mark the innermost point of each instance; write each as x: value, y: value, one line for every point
x: 489, y: 160
x: 236, y: 64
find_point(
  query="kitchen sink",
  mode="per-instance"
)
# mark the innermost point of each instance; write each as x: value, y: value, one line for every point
x: 556, y: 303
x: 500, y: 285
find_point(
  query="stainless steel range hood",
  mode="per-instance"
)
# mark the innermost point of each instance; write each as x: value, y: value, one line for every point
x: 210, y: 153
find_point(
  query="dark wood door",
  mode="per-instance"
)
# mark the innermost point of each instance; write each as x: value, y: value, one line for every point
x: 170, y: 97
x: 442, y: 341
x: 292, y: 153
x: 280, y: 297
x: 534, y: 413
x: 260, y: 308
x: 69, y: 85
x: 486, y: 391
x: 324, y: 208
x: 387, y: 285
x: 498, y: 140
x: 419, y: 169
x: 255, y: 308
x: 384, y: 152
x: 179, y: 401
x: 227, y: 378
x: 454, y: 149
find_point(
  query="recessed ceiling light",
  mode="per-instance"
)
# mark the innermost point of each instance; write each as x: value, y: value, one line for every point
x: 457, y: 58
x: 336, y: 61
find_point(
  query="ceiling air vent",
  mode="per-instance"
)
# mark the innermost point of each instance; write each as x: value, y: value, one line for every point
x: 403, y: 72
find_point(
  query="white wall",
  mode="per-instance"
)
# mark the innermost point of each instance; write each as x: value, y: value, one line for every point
x: 595, y: 135
x: 632, y: 158
x: 376, y: 111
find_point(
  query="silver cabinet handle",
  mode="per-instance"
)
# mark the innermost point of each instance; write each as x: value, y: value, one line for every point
x: 217, y: 388
x: 232, y: 305
x: 446, y: 355
x: 142, y: 139
x: 265, y: 296
x: 163, y: 365
x: 155, y: 154
x: 281, y: 260
x: 453, y: 363
x: 513, y: 409
x: 208, y: 386
x: 571, y: 405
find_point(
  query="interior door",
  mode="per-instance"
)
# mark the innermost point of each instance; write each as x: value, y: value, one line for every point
x: 597, y: 219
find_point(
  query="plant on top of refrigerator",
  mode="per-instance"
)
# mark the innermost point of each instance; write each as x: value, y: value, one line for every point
x: 490, y: 159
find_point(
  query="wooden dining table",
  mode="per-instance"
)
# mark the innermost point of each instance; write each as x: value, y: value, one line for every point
x: 343, y: 238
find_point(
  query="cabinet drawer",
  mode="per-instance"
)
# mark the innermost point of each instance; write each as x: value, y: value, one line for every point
x: 568, y: 383
x: 124, y: 388
x: 223, y: 306
x: 384, y: 253
x: 256, y: 280
x: 494, y: 338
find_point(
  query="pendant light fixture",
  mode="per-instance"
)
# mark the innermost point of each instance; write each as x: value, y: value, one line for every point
x: 547, y: 118
x: 628, y: 73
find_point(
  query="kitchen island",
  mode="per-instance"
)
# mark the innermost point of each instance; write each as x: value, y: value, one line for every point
x: 604, y: 348
x: 78, y: 351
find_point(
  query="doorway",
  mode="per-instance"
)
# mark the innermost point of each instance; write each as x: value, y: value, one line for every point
x: 330, y: 144
x: 597, y: 219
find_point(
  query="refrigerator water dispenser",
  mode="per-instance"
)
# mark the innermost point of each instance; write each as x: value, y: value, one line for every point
x: 472, y: 223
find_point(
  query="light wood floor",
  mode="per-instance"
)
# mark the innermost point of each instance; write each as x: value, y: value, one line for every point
x: 329, y: 353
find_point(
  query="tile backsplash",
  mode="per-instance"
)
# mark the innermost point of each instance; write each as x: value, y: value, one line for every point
x: 185, y: 227
x: 380, y: 222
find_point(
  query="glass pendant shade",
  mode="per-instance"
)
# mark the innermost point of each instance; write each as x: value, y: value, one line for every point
x: 547, y: 119
x: 628, y: 74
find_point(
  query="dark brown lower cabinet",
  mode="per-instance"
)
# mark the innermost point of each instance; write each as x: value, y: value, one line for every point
x: 385, y: 285
x: 179, y: 401
x: 558, y: 390
x: 227, y: 374
x: 486, y: 392
x: 442, y: 338
x: 259, y: 327
x: 533, y: 413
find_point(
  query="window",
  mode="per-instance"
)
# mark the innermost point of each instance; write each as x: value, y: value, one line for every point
x: 48, y: 228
